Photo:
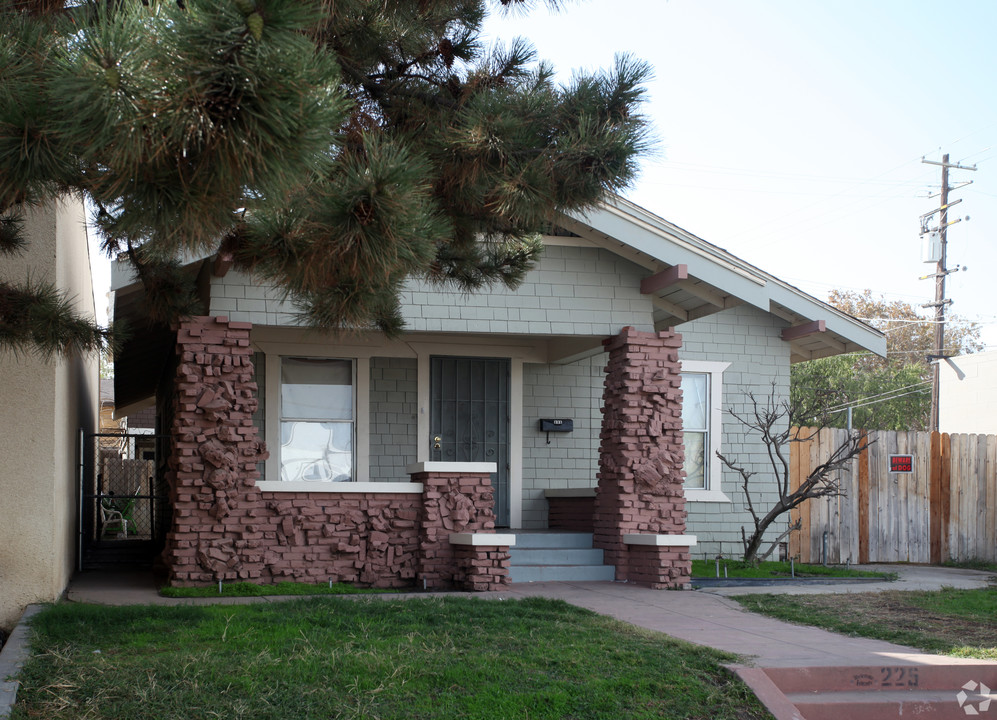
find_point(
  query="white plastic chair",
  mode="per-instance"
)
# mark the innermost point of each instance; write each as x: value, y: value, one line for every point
x: 110, y: 517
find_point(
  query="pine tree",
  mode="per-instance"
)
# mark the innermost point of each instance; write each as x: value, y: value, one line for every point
x: 332, y: 148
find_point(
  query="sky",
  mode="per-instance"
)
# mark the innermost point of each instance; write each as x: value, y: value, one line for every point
x: 791, y: 132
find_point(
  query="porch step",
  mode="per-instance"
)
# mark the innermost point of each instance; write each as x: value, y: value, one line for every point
x: 557, y: 557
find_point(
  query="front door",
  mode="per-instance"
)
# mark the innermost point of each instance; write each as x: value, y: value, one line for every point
x: 470, y: 417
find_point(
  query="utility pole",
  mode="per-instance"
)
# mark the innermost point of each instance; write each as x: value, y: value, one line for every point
x: 941, y: 271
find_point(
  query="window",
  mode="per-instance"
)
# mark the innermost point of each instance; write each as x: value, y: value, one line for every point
x: 702, y: 400
x: 317, y: 420
x: 696, y: 428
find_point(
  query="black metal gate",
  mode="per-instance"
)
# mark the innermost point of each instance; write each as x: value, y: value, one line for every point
x: 469, y: 418
x: 124, y: 508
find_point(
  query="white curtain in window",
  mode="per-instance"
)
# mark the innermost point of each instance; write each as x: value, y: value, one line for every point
x: 316, y: 425
x: 695, y: 427
x: 316, y: 389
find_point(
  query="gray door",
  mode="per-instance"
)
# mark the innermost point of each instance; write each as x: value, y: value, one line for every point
x: 470, y: 416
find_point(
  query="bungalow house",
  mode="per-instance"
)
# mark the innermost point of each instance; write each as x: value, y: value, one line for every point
x: 592, y: 398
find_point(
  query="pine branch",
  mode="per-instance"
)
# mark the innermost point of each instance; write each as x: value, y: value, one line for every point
x: 37, y: 318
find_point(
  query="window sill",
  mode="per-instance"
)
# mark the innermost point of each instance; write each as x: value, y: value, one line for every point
x: 714, y: 496
x: 340, y: 487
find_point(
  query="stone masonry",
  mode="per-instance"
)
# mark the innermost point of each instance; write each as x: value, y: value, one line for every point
x: 453, y: 503
x: 226, y: 528
x: 482, y: 568
x: 640, y: 459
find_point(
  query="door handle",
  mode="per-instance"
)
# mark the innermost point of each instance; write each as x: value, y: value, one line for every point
x: 436, y: 442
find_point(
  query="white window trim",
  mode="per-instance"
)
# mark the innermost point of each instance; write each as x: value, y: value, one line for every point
x: 361, y: 402
x: 713, y: 492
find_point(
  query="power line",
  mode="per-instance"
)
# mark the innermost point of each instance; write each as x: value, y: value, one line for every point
x: 882, y: 397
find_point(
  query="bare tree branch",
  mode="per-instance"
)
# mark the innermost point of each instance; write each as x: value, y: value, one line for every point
x: 771, y: 421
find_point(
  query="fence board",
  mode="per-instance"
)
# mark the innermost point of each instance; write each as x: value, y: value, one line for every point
x: 863, y: 503
x: 924, y: 497
x: 902, y: 508
x: 794, y: 482
x: 946, y: 494
x: 990, y: 543
x: 980, y: 536
x: 804, y: 465
x: 816, y: 506
x: 934, y: 496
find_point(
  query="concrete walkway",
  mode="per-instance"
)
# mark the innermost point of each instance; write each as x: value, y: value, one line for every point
x: 911, y: 577
x: 721, y: 623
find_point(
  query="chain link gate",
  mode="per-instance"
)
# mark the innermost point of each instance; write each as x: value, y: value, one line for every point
x: 123, y: 500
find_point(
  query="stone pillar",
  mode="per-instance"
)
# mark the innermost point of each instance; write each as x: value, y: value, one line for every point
x: 457, y: 497
x: 481, y: 568
x: 640, y: 458
x: 212, y: 467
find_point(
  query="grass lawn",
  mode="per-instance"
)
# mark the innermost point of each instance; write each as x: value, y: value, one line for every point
x: 341, y: 658
x: 949, y: 622
x: 246, y: 589
x: 772, y: 569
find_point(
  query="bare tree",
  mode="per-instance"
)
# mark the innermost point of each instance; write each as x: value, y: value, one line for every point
x: 774, y: 423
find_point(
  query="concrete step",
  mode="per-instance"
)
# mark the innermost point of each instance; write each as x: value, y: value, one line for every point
x: 879, y: 692
x: 885, y: 678
x: 880, y: 706
x: 563, y: 540
x: 561, y: 573
x: 555, y: 556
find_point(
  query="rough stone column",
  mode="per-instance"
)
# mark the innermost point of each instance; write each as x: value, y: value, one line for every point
x: 481, y: 568
x: 641, y: 453
x: 216, y: 532
x: 453, y: 502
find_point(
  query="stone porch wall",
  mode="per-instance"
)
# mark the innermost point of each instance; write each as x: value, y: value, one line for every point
x: 225, y: 527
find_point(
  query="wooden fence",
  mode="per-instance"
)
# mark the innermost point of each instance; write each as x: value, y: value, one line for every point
x: 944, y: 508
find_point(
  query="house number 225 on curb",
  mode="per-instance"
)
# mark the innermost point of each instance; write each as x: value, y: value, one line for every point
x: 888, y: 677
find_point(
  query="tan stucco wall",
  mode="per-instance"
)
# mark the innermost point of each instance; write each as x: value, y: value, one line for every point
x: 42, y: 406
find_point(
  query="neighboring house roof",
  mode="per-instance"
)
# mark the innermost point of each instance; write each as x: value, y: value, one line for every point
x: 693, y: 278
x: 689, y: 278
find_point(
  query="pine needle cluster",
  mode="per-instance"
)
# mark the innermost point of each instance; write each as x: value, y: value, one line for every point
x: 333, y: 148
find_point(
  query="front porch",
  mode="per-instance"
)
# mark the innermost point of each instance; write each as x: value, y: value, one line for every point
x: 426, y: 531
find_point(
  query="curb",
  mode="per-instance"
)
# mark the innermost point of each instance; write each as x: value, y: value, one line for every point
x: 12, y: 657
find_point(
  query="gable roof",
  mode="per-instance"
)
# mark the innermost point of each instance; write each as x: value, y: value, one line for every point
x: 691, y: 278
x: 688, y: 278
